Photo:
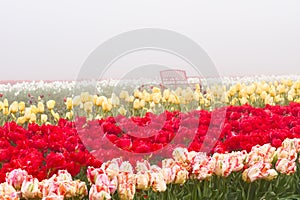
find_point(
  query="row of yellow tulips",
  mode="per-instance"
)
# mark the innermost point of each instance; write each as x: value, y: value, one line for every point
x: 155, y: 100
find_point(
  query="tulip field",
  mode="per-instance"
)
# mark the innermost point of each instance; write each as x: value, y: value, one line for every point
x: 235, y: 140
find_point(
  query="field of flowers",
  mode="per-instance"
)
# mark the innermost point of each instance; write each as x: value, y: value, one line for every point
x: 238, y: 140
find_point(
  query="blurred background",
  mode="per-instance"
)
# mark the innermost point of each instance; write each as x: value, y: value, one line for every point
x: 50, y: 40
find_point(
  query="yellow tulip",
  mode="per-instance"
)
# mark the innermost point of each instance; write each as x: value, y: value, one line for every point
x: 142, y: 103
x: 76, y: 101
x: 232, y: 91
x: 84, y: 97
x: 201, y: 101
x: 95, y: 97
x: 106, y: 106
x: 263, y: 95
x: 238, y: 86
x: 136, y: 104
x: 297, y: 85
x: 32, y: 118
x: 130, y: 99
x: 243, y: 100
x: 250, y: 89
x: 187, y: 95
x: 44, y: 118
x: 100, y: 100
x: 172, y: 98
x: 281, y: 89
x: 1, y: 105
x: 146, y: 96
x: 272, y: 91
x: 166, y: 94
x: 289, y: 83
x: 34, y: 109
x: 90, y: 98
x: 5, y: 111
x: 266, y: 87
x: 88, y: 107
x: 269, y: 100
x: 234, y: 101
x: 291, y: 92
x: 152, y: 105
x: 69, y: 115
x: 14, y: 107
x: 115, y: 101
x: 27, y: 113
x: 253, y: 98
x: 156, y: 90
x: 50, y: 104
x: 258, y: 90
x: 156, y: 97
x: 175, y: 98
x: 21, y: 120
x: 41, y: 107
x: 137, y: 94
x: 122, y: 110
x: 69, y: 103
x: 56, y: 116
x: 198, y: 87
x: 21, y: 106
x: 123, y: 94
x: 5, y: 102
x: 278, y: 99
x: 207, y: 103
x: 224, y: 99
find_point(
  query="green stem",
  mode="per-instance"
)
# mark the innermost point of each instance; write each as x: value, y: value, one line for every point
x: 249, y: 191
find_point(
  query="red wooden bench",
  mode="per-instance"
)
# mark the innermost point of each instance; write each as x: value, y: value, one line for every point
x: 172, y: 78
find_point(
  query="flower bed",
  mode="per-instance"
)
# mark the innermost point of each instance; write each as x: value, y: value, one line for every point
x: 29, y: 102
x: 235, y: 141
x: 43, y: 150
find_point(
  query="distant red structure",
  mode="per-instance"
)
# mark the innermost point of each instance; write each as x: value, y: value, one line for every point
x: 172, y: 78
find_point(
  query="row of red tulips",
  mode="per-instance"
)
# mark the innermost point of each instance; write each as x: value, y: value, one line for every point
x: 222, y: 130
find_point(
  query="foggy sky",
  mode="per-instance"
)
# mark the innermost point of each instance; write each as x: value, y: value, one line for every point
x: 52, y: 39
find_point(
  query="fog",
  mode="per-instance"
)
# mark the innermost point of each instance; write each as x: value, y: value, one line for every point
x: 51, y: 40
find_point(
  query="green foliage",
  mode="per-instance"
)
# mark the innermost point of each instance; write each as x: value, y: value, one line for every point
x: 231, y: 188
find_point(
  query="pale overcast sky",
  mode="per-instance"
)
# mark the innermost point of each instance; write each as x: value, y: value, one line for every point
x: 52, y: 39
